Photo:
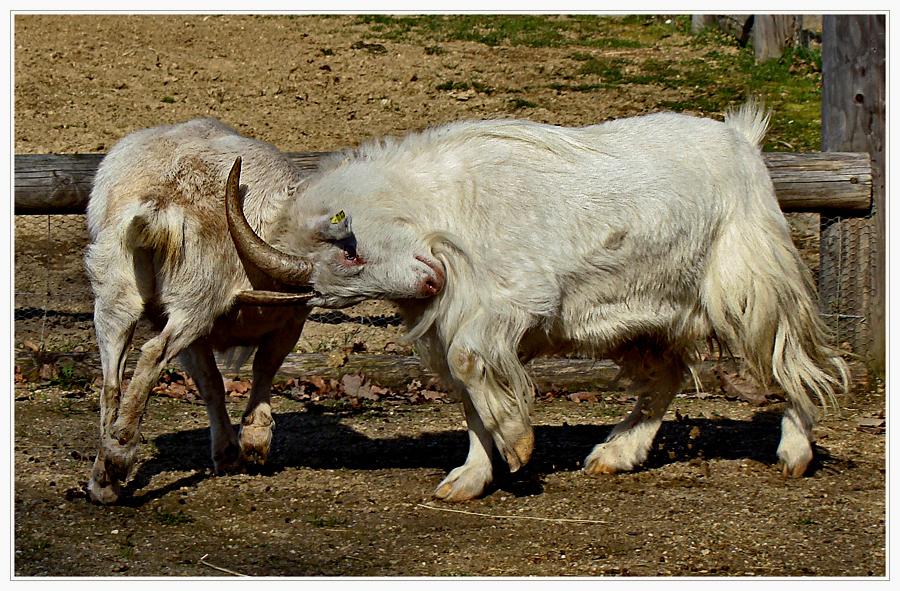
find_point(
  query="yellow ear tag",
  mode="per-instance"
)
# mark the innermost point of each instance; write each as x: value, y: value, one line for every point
x: 338, y: 217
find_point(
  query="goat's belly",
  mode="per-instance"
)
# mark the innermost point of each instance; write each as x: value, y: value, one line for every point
x: 244, y: 326
x: 603, y: 329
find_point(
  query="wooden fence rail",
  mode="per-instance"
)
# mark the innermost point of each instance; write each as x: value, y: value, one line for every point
x: 832, y: 182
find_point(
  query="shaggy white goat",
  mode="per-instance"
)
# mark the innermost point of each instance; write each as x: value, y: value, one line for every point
x: 631, y: 240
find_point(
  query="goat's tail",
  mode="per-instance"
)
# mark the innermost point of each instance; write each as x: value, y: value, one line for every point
x: 760, y: 300
x: 158, y: 230
x: 751, y: 120
x: 156, y: 238
x: 759, y: 296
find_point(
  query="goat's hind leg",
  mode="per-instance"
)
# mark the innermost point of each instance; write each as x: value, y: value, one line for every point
x: 120, y: 433
x: 115, y: 321
x: 628, y: 445
x: 795, y: 448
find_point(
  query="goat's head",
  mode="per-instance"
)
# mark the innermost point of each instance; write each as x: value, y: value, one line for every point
x: 334, y: 270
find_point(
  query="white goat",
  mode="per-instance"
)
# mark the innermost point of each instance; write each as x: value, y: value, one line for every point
x: 631, y: 240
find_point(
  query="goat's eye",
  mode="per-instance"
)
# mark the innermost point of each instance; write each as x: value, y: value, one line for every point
x: 348, y: 246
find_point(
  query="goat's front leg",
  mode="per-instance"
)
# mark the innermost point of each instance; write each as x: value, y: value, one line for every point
x: 493, y: 415
x: 469, y: 480
x: 200, y: 363
x: 257, y: 423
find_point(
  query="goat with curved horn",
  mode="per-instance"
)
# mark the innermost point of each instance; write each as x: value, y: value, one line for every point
x: 160, y: 247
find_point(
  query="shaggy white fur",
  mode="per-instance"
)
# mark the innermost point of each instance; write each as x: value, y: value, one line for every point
x: 631, y: 240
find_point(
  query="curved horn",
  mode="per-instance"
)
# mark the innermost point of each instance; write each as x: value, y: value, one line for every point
x: 283, y: 267
x: 259, y: 297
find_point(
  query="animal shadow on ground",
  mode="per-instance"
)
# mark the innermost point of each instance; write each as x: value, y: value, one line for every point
x: 322, y: 440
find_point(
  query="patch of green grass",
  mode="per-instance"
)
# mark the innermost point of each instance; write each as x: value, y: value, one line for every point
x: 481, y: 87
x: 452, y: 85
x: 172, y: 518
x: 126, y: 547
x: 609, y: 71
x: 476, y: 85
x: 318, y: 520
x: 579, y: 87
x: 790, y: 85
x: 498, y: 29
x: 520, y: 103
x: 168, y: 99
x: 67, y: 380
x: 724, y: 75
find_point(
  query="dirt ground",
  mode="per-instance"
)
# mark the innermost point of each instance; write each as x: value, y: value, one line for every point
x: 347, y: 489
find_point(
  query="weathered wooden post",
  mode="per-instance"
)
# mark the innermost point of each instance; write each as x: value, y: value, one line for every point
x: 771, y: 34
x: 702, y: 21
x: 853, y: 259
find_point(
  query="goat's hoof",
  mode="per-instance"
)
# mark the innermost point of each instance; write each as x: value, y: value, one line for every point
x: 519, y: 454
x: 613, y: 457
x: 111, y: 468
x: 596, y: 467
x: 228, y: 461
x: 255, y: 443
x: 462, y: 484
x: 105, y: 495
x: 101, y: 488
x: 796, y: 471
x: 796, y: 454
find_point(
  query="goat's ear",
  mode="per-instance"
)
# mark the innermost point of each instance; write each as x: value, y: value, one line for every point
x: 332, y: 227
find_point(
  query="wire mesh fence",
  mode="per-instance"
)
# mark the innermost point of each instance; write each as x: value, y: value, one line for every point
x: 846, y: 281
x: 54, y: 304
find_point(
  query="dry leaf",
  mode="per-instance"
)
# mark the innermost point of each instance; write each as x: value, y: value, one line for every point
x: 319, y: 383
x: 352, y: 384
x: 336, y: 359
x: 743, y: 388
x: 432, y: 395
x: 357, y: 386
x: 237, y: 386
x: 49, y: 371
x: 355, y: 348
x: 583, y: 397
x: 871, y: 425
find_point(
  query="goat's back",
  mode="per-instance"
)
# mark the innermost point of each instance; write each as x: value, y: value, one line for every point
x: 185, y: 166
